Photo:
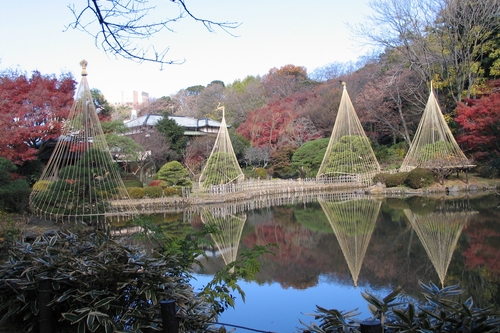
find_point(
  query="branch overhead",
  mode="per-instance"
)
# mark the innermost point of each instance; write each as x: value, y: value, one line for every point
x: 121, y: 26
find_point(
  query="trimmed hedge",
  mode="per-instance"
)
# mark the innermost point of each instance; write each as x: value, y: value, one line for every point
x: 136, y: 192
x: 153, y: 191
x: 261, y: 173
x: 418, y: 178
x: 396, y: 179
x: 172, y: 191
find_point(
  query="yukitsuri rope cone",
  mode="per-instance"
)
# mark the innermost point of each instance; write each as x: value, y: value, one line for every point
x: 433, y: 146
x: 229, y: 228
x: 349, y: 156
x: 353, y: 222
x: 81, y: 182
x: 222, y: 167
x: 439, y: 233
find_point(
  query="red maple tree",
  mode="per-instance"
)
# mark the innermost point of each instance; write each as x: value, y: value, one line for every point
x: 32, y: 110
x: 279, y: 123
x: 479, y: 120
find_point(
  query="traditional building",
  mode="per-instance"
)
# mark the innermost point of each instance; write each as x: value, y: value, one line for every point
x: 192, y: 126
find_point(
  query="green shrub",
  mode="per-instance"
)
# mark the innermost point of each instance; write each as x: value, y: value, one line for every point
x: 136, y: 192
x: 174, y: 174
x: 261, y: 173
x: 380, y: 177
x: 418, y: 178
x: 153, y: 191
x: 171, y: 191
x: 132, y: 183
x: 395, y: 179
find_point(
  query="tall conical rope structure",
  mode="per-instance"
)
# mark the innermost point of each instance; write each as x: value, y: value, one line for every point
x: 349, y: 156
x: 81, y: 182
x: 222, y: 166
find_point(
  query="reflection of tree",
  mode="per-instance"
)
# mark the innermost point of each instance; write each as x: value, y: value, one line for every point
x: 353, y: 222
x: 229, y: 227
x: 439, y: 232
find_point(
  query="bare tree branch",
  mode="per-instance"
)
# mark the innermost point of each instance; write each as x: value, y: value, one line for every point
x: 120, y: 26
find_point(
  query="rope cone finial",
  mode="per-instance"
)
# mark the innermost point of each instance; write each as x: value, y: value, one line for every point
x: 344, y: 84
x: 221, y: 107
x: 84, y: 64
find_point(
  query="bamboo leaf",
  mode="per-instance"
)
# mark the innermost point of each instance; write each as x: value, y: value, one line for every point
x: 389, y: 298
x: 81, y: 327
x: 402, y: 316
x: 104, y: 301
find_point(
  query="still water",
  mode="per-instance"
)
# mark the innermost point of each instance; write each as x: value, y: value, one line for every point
x: 331, y: 250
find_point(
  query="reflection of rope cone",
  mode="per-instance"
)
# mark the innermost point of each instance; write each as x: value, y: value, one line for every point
x: 229, y: 228
x: 353, y: 223
x: 439, y: 232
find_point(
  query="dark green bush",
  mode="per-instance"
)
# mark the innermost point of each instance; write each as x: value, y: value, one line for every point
x: 395, y: 179
x: 153, y: 191
x: 487, y: 171
x: 132, y: 183
x: 379, y: 177
x: 14, y: 197
x: 136, y: 192
x: 418, y: 178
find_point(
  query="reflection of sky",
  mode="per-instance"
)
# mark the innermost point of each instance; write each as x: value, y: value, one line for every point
x: 271, y: 308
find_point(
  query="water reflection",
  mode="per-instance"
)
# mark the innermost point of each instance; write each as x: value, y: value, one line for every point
x: 228, y: 225
x: 440, y: 230
x: 353, y: 218
x: 331, y: 244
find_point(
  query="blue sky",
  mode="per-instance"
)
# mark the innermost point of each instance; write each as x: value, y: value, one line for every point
x: 273, y: 33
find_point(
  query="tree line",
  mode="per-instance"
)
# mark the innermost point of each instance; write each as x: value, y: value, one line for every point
x: 453, y: 44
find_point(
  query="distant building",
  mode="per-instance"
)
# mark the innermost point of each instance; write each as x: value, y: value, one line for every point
x: 132, y: 98
x: 192, y: 126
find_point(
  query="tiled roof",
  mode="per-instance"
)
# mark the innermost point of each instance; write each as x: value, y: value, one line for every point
x: 190, y: 122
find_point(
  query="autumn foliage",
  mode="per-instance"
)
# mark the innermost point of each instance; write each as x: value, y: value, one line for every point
x: 32, y: 110
x: 480, y: 124
x: 279, y: 123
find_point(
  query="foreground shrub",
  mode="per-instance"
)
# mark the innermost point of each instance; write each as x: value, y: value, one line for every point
x: 153, y: 191
x: 102, y: 283
x: 443, y: 311
x: 136, y: 192
x: 418, y: 178
x: 395, y: 179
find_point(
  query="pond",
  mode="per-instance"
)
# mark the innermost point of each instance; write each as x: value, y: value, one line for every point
x: 331, y: 250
